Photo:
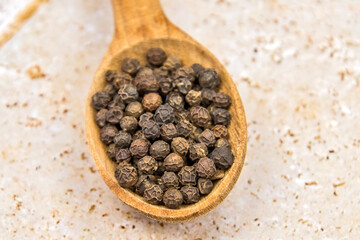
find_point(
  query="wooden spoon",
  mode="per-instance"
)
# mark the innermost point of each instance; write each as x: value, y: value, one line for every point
x: 140, y: 25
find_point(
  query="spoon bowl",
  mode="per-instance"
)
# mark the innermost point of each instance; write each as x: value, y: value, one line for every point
x: 150, y: 28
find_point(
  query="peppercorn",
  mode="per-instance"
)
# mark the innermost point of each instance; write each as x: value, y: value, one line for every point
x: 145, y: 81
x: 195, y: 133
x: 156, y: 56
x: 147, y: 165
x: 160, y: 72
x: 123, y: 155
x: 187, y: 175
x: 205, y: 167
x: 166, y: 85
x: 126, y: 176
x: 128, y: 123
x: 110, y: 89
x: 159, y: 149
x: 164, y: 114
x: 207, y: 96
x: 180, y: 146
x: 153, y: 194
x: 173, y: 162
x: 184, y: 85
x: 207, y: 137
x: 100, y: 100
x: 107, y: 133
x: 221, y: 116
x: 175, y: 100
x: 122, y: 139
x: 205, y: 185
x: 170, y: 180
x: 222, y: 142
x: 222, y: 100
x: 185, y: 72
x: 209, y: 78
x: 219, y: 174
x: 223, y: 157
x: 151, y: 130
x: 143, y: 182
x: 190, y: 194
x: 128, y: 93
x: 144, y: 118
x: 134, y: 109
x: 168, y: 132
x: 184, y: 128
x: 116, y: 102
x: 220, y: 131
x: 100, y: 117
x: 122, y: 79
x: 130, y: 66
x: 193, y: 98
x: 181, y: 115
x: 110, y: 75
x: 139, y: 148
x: 114, y: 115
x: 200, y: 116
x: 172, y: 63
x: 111, y: 151
x: 151, y: 101
x: 197, y: 68
x: 197, y: 151
x: 173, y: 198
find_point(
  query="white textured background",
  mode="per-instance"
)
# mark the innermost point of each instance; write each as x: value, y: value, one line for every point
x: 297, y: 68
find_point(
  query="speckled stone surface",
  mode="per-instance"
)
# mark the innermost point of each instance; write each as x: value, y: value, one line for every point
x: 297, y: 68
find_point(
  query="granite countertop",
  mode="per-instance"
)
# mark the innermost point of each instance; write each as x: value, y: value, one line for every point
x: 296, y: 65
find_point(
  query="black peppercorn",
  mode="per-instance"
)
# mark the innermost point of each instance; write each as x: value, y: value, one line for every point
x: 126, y: 176
x: 205, y: 167
x: 175, y: 100
x: 156, y: 56
x: 122, y: 79
x: 164, y: 114
x: 170, y: 180
x: 116, y: 102
x: 166, y: 85
x: 205, y: 185
x: 200, y: 116
x: 209, y: 78
x: 159, y: 149
x: 221, y: 116
x: 173, y: 162
x: 172, y: 63
x: 187, y: 175
x: 168, y: 132
x: 207, y: 96
x: 108, y: 133
x: 114, y: 115
x: 197, y: 151
x: 184, y: 128
x: 134, y: 109
x: 220, y: 131
x: 185, y: 72
x: 222, y: 157
x: 219, y: 174
x: 139, y: 148
x: 128, y: 123
x: 173, y: 198
x: 100, y: 117
x: 110, y: 89
x: 147, y: 165
x: 111, y: 151
x: 110, y: 75
x: 193, y: 98
x: 128, y: 93
x: 195, y: 133
x: 207, y: 137
x: 197, y: 68
x: 151, y: 101
x: 143, y: 182
x: 122, y: 139
x: 153, y: 194
x: 130, y: 66
x: 145, y: 81
x: 222, y: 100
x: 100, y: 100
x: 181, y: 115
x: 184, y: 85
x: 151, y: 130
x: 144, y: 118
x: 123, y: 155
x: 222, y: 142
x: 180, y: 146
x: 190, y: 194
x: 160, y: 72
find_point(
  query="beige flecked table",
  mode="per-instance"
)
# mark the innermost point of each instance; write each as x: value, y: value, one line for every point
x: 297, y: 68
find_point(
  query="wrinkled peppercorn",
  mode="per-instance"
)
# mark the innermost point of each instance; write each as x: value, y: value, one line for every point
x: 143, y: 182
x: 139, y: 148
x: 172, y: 63
x: 173, y: 198
x: 184, y: 128
x: 128, y: 123
x: 223, y: 157
x: 190, y: 194
x: 100, y: 117
x: 111, y: 151
x: 195, y: 133
x: 220, y: 131
x: 180, y: 146
x: 153, y: 194
x: 221, y: 116
x: 197, y: 151
x: 160, y: 72
x: 100, y: 100
x: 108, y: 133
x: 151, y: 130
x: 134, y: 109
x: 151, y: 101
x: 116, y: 102
x: 222, y: 100
x: 123, y: 155
x: 182, y: 115
x: 222, y: 142
x: 164, y: 114
x: 156, y: 56
x: 147, y: 165
x: 197, y: 68
x: 219, y: 174
x: 122, y: 139
x: 207, y: 137
x: 110, y: 75
x: 166, y: 85
x: 144, y: 118
x: 173, y: 162
x: 193, y: 98
x: 207, y: 96
x: 209, y: 78
x: 126, y: 175
x: 130, y: 66
x: 114, y: 115
x: 187, y: 175
x: 159, y: 149
x: 205, y: 185
x: 168, y: 132
x: 110, y: 89
x: 122, y: 79
x: 145, y: 81
x: 205, y: 167
x: 184, y: 85
x: 128, y: 93
x: 185, y: 72
x: 200, y: 116
x: 170, y: 180
x: 175, y: 100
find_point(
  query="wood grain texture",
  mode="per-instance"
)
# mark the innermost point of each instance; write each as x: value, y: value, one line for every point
x: 140, y: 25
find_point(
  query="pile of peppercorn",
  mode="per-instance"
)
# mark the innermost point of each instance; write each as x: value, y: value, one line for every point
x: 165, y: 125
